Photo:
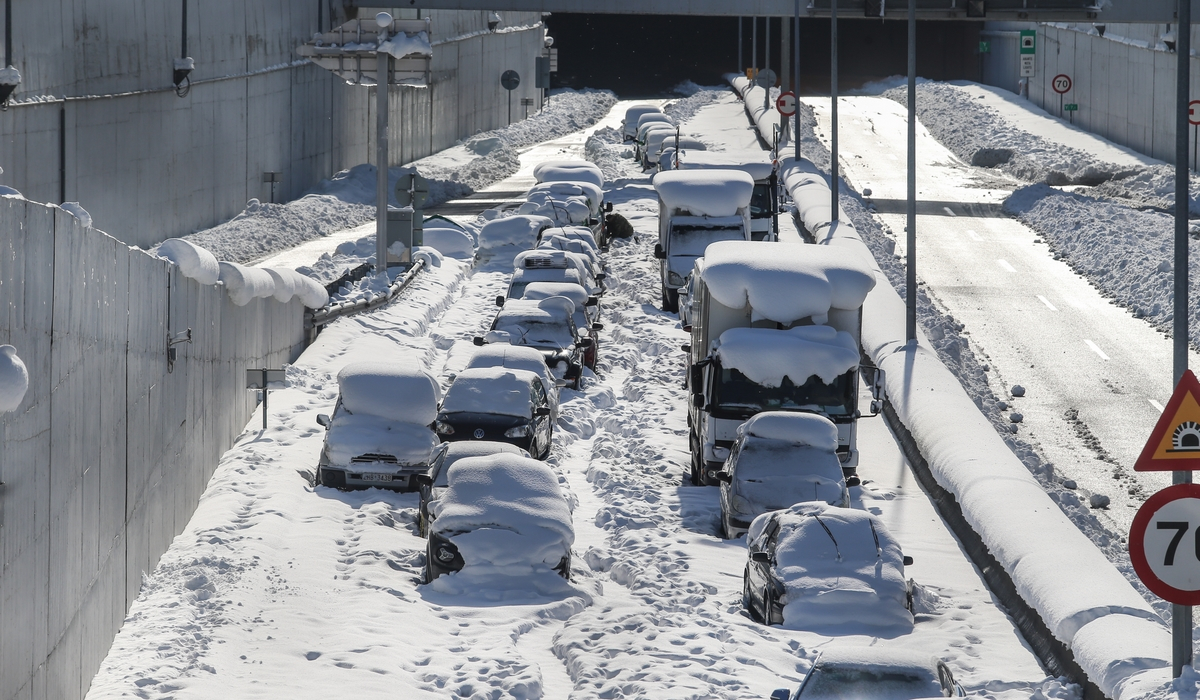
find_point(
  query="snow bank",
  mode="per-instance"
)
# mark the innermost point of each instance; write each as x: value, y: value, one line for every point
x: 807, y: 429
x: 753, y: 163
x: 310, y: 292
x: 705, y: 193
x: 568, y: 171
x: 833, y: 571
x: 519, y: 231
x: 785, y: 283
x: 14, y: 379
x: 777, y: 474
x: 505, y: 513
x: 766, y: 355
x: 447, y: 238
x: 285, y: 283
x: 397, y: 391
x: 193, y: 261
x: 491, y: 390
x: 353, y: 435
x: 246, y: 283
x: 76, y: 210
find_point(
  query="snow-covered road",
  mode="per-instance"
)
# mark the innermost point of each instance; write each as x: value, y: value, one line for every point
x: 1096, y: 378
x: 277, y: 589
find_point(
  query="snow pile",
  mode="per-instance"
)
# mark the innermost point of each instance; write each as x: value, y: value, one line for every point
x: 569, y: 171
x: 834, y: 572
x: 447, y: 238
x: 518, y: 231
x: 777, y: 474
x: 246, y: 283
x: 604, y: 148
x: 705, y: 192
x: 77, y: 211
x: 492, y: 390
x: 697, y: 97
x: 9, y: 75
x: 397, y: 391
x: 14, y: 379
x: 785, y: 283
x: 353, y: 435
x: 754, y: 164
x: 193, y: 261
x: 766, y: 355
x: 404, y: 44
x: 505, y: 514
x: 807, y: 429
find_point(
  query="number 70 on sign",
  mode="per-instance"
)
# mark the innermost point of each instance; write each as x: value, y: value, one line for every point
x: 1164, y: 544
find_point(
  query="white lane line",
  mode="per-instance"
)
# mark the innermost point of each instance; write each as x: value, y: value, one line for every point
x: 1004, y: 263
x: 1156, y: 405
x: 974, y: 236
x: 1096, y: 349
x: 1047, y: 303
x: 949, y: 211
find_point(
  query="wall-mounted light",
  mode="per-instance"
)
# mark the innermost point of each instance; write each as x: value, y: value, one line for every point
x: 549, y: 41
x: 183, y: 66
x: 493, y: 21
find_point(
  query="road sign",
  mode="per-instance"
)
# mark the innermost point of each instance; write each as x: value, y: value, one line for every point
x: 510, y: 80
x: 1164, y: 544
x: 1174, y: 445
x: 786, y: 103
x: 765, y: 78
x: 1194, y: 113
x: 1027, y: 64
x: 1061, y: 83
x: 1028, y: 41
x: 553, y: 60
x: 1071, y: 107
x: 985, y: 47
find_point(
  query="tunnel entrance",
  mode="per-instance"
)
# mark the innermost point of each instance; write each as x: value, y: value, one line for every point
x: 648, y: 55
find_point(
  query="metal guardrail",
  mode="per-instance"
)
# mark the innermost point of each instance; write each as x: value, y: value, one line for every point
x: 313, y: 320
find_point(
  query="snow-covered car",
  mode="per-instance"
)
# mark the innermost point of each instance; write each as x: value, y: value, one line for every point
x: 500, y: 515
x: 517, y: 357
x: 587, y: 311
x: 778, y: 459
x: 664, y: 158
x: 574, y: 239
x: 644, y: 132
x: 873, y: 673
x: 814, y: 565
x: 653, y: 145
x: 629, y: 125
x: 552, y: 265
x: 547, y: 326
x: 432, y: 484
x: 568, y: 171
x: 498, y: 404
x: 379, y: 434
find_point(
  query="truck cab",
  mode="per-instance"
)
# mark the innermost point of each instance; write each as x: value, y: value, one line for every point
x: 764, y: 204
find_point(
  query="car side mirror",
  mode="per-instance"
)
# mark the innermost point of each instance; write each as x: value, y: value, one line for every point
x: 659, y: 252
x: 541, y: 411
x: 608, y: 207
x: 762, y: 557
x: 698, y: 400
x: 500, y: 300
x: 686, y: 347
x: 323, y: 420
x: 423, y: 479
x: 592, y: 301
x: 597, y: 326
x: 601, y: 276
x: 781, y: 694
x: 478, y: 340
x: 724, y: 476
x: 585, y: 342
x: 908, y: 561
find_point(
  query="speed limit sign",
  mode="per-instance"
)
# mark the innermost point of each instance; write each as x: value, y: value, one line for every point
x: 1164, y: 544
x: 1061, y: 83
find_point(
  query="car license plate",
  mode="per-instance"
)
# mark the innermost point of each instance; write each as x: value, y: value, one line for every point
x: 377, y: 477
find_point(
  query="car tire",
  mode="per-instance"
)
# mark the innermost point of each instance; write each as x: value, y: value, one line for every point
x: 670, y: 300
x: 725, y: 533
x: 768, y: 607
x: 747, y: 599
x: 696, y: 460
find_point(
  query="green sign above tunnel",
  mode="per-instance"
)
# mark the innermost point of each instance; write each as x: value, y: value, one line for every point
x: 1028, y: 41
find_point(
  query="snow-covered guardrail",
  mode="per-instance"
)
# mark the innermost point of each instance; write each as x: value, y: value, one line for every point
x: 1115, y: 637
x: 319, y: 317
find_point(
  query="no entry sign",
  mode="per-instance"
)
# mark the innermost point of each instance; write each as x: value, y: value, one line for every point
x: 1164, y: 544
x: 786, y: 104
x: 1061, y: 83
x: 1194, y: 113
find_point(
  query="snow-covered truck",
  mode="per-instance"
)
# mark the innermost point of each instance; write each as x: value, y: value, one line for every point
x: 695, y: 209
x: 764, y: 204
x: 775, y: 327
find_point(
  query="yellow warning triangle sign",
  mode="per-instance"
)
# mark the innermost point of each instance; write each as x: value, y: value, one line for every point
x: 1174, y: 445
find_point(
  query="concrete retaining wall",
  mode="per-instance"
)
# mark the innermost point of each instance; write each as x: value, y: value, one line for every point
x: 105, y: 460
x: 96, y: 119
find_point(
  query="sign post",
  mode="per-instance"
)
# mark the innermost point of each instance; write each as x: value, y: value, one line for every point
x: 1061, y: 85
x: 510, y: 80
x: 259, y: 379
x: 1194, y: 120
x: 786, y: 104
x: 1028, y: 52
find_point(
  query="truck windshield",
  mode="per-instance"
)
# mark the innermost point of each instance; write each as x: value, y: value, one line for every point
x: 690, y: 241
x: 760, y: 201
x: 735, y: 396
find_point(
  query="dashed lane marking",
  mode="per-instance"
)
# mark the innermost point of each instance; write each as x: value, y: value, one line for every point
x: 1047, y: 303
x: 1096, y: 349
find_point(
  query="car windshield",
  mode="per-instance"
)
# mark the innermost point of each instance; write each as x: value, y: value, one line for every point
x: 735, y: 394
x: 537, y: 333
x: 841, y: 683
x: 760, y: 201
x: 692, y: 240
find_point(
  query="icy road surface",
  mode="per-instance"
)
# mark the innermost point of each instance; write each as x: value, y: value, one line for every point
x: 1096, y: 378
x: 277, y: 589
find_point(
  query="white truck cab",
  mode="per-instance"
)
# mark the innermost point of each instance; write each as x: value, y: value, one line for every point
x: 764, y: 205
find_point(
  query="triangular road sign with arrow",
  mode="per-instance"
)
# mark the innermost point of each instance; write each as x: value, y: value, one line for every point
x: 1175, y: 443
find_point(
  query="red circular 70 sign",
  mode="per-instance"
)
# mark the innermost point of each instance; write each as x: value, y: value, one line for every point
x: 1061, y: 83
x: 1164, y: 544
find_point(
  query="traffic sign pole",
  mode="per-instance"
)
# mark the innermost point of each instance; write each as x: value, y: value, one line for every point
x: 796, y: 73
x: 833, y: 115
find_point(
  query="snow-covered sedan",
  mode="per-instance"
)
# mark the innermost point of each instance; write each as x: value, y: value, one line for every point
x: 874, y: 673
x: 497, y: 404
x: 819, y: 566
x: 378, y: 435
x: 433, y: 483
x: 548, y: 326
x: 587, y: 311
x: 778, y: 459
x: 500, y: 515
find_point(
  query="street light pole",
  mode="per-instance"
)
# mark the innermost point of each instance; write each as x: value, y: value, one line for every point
x: 910, y: 291
x: 796, y: 73
x: 833, y: 115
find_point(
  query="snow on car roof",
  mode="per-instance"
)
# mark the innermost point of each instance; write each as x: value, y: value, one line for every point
x: 506, y: 511
x: 519, y: 230
x: 555, y: 308
x: 496, y: 390
x: 398, y: 391
x: 705, y: 192
x: 568, y: 171
x: 880, y: 659
x: 766, y: 355
x: 514, y: 357
x: 753, y: 163
x: 654, y: 117
x: 783, y: 282
x: 646, y: 129
x: 838, y: 566
x: 357, y: 434
x: 796, y: 428
x: 544, y: 290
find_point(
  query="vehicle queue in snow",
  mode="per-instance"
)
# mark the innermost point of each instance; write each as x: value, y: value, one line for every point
x: 772, y: 377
